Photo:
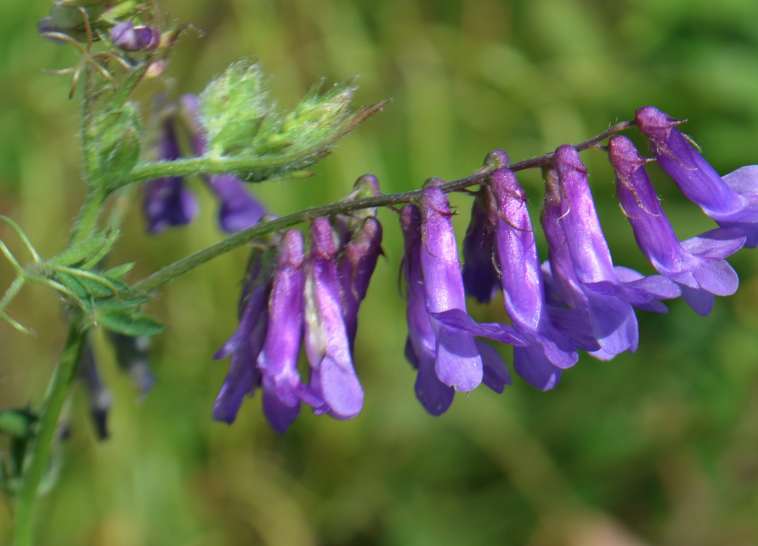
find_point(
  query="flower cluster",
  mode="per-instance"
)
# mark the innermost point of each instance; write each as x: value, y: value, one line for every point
x: 575, y: 300
x: 290, y: 295
x: 167, y: 202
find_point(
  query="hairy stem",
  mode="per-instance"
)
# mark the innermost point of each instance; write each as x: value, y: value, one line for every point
x: 190, y: 262
x: 60, y: 384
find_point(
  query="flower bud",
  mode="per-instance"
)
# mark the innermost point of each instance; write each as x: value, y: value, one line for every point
x: 130, y: 38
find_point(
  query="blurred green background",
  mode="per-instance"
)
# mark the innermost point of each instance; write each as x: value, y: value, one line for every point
x: 660, y: 447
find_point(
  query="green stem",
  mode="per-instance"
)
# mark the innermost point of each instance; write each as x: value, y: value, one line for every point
x: 198, y: 258
x: 64, y: 375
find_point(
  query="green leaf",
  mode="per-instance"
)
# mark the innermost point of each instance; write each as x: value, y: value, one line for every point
x: 103, y: 252
x: 118, y: 271
x: 121, y: 303
x: 81, y: 251
x: 131, y: 325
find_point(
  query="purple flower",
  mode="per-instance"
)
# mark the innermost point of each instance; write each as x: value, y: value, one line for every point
x: 166, y: 201
x: 458, y: 363
x: 481, y: 278
x: 421, y: 347
x: 333, y: 378
x: 130, y: 38
x: 247, y: 341
x: 424, y: 327
x: 239, y: 210
x: 356, y: 265
x: 277, y: 362
x: 732, y: 201
x: 548, y: 351
x: 698, y: 263
x: 570, y: 306
x: 610, y: 298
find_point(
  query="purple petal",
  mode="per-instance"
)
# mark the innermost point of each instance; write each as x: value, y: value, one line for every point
x: 460, y: 320
x: 327, y: 343
x: 243, y: 376
x: 697, y: 180
x: 480, y: 275
x: 433, y: 394
x: 239, y: 210
x: 496, y: 375
x: 356, y: 265
x: 278, y: 360
x: 279, y: 414
x: 717, y: 244
x: 458, y: 363
x: 701, y: 301
x: 531, y: 364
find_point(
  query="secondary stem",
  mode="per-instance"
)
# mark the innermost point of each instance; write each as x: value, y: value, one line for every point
x: 190, y: 262
x: 60, y: 384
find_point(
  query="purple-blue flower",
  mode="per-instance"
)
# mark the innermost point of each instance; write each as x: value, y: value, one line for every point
x: 166, y: 201
x: 247, y: 341
x: 130, y: 38
x: 697, y: 264
x: 333, y: 378
x: 356, y: 265
x: 239, y: 210
x: 440, y: 343
x: 548, y: 351
x: 98, y: 394
x: 732, y: 201
x: 610, y: 298
x: 421, y: 347
x: 277, y: 362
x: 481, y: 278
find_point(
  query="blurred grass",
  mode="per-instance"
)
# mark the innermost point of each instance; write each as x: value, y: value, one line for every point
x: 660, y: 447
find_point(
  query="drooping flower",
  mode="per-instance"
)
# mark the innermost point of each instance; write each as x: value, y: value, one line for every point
x: 732, y: 201
x: 570, y: 307
x: 239, y: 210
x: 277, y: 361
x: 444, y: 284
x: 166, y: 201
x: 548, y: 351
x: 356, y: 265
x: 697, y: 264
x: 247, y: 341
x: 614, y: 323
x: 360, y: 245
x: 333, y: 378
x: 421, y: 347
x: 481, y: 279
x: 130, y: 38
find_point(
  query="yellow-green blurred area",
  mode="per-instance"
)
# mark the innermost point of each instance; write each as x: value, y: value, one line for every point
x: 659, y: 447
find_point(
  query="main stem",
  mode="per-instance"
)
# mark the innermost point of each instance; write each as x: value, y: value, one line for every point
x: 63, y: 376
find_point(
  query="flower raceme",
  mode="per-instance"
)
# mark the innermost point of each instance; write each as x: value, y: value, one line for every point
x: 575, y: 300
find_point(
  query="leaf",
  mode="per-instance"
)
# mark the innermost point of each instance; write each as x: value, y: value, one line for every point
x: 121, y: 303
x: 131, y: 325
x: 81, y: 251
x: 103, y: 252
x: 118, y: 271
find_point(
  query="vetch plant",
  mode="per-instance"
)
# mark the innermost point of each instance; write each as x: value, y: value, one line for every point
x: 302, y: 288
